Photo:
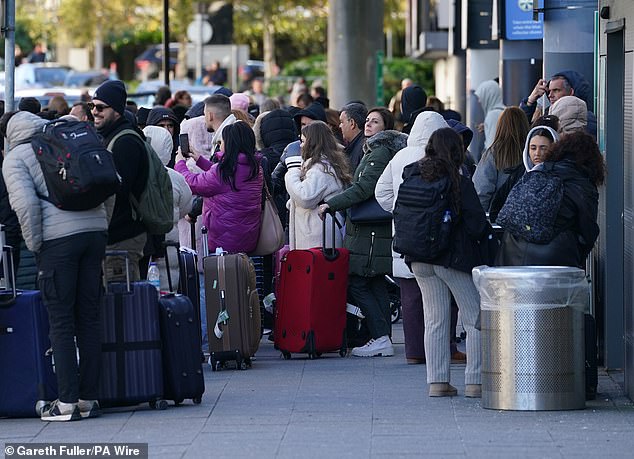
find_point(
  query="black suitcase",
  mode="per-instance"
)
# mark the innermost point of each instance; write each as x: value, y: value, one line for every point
x: 131, y: 362
x: 592, y: 372
x: 180, y: 333
x: 28, y: 381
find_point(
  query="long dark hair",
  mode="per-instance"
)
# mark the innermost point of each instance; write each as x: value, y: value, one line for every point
x: 510, y: 136
x: 321, y: 147
x: 238, y: 138
x: 444, y: 154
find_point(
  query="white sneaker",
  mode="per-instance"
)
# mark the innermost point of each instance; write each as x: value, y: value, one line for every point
x: 380, y: 347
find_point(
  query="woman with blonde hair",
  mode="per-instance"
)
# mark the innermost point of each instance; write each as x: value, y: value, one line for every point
x: 320, y: 172
x: 504, y: 153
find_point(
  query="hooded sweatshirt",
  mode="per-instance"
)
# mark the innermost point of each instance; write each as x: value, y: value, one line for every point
x: 386, y: 190
x: 40, y: 220
x: 413, y: 98
x: 572, y: 113
x: 161, y: 141
x: 489, y: 94
x: 314, y: 111
x: 528, y: 164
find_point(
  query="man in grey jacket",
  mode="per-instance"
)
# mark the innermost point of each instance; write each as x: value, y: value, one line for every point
x: 69, y: 247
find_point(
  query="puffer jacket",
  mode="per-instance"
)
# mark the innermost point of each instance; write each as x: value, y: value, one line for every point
x: 387, y: 186
x: 304, y: 224
x: 40, y: 220
x: 232, y: 217
x: 370, y: 245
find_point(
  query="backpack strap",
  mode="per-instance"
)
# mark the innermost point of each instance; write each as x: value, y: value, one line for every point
x: 120, y: 134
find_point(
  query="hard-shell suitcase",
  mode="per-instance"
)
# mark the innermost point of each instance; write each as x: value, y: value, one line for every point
x: 233, y: 308
x: 131, y: 360
x: 28, y: 380
x: 310, y: 314
x: 180, y: 334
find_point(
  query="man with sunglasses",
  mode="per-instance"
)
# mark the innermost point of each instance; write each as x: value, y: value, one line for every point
x: 564, y: 83
x: 130, y: 157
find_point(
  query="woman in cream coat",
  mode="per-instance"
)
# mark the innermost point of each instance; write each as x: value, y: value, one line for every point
x: 321, y: 172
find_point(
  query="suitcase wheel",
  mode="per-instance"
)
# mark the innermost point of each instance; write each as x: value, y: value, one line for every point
x: 286, y: 355
x: 343, y: 352
x: 158, y: 404
x: 178, y: 402
x: 197, y: 400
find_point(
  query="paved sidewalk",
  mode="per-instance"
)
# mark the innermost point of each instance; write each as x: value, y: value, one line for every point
x: 347, y: 407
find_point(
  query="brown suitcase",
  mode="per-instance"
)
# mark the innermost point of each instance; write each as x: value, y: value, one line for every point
x: 233, y: 308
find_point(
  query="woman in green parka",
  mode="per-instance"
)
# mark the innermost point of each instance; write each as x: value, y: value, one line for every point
x: 370, y: 243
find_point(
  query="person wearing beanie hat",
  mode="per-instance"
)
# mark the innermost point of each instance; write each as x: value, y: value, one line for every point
x: 112, y: 93
x: 130, y: 157
x: 224, y: 91
x: 239, y: 101
x: 165, y: 118
x: 30, y: 104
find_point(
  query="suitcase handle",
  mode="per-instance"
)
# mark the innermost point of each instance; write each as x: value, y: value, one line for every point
x: 205, y: 242
x: 8, y: 298
x: 167, y: 244
x: 331, y: 253
x: 117, y: 253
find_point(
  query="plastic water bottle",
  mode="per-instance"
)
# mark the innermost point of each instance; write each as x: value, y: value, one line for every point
x: 154, y: 277
x: 447, y: 217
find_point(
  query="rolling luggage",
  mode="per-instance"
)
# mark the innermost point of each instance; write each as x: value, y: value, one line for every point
x: 28, y: 380
x: 131, y: 360
x: 180, y: 333
x: 310, y: 313
x: 233, y: 307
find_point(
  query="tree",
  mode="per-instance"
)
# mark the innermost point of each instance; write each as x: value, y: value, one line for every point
x: 301, y: 22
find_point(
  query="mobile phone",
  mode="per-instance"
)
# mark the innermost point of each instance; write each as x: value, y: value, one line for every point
x: 183, y: 140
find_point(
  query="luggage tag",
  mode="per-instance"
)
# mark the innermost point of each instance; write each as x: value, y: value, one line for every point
x: 223, y: 317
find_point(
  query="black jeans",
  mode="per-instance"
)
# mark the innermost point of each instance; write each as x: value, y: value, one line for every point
x: 370, y: 294
x: 69, y: 279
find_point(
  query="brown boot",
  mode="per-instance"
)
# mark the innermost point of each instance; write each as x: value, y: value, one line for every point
x: 473, y: 391
x: 442, y: 390
x: 458, y: 357
x: 415, y: 361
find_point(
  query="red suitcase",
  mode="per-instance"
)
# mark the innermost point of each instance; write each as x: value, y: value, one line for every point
x: 310, y: 314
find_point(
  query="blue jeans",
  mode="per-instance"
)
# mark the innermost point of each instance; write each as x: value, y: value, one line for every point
x: 70, y: 282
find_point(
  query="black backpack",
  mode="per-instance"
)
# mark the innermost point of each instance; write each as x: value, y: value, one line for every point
x: 78, y: 170
x: 422, y: 216
x: 532, y: 206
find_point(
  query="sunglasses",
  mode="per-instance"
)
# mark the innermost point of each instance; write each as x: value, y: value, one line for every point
x: 99, y: 107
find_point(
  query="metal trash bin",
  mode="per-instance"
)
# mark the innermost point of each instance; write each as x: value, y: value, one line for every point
x: 532, y: 323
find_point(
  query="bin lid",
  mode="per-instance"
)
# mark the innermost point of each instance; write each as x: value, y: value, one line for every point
x: 531, y: 287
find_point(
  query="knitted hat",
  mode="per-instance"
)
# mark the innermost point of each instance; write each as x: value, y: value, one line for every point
x: 239, y: 101
x: 113, y: 93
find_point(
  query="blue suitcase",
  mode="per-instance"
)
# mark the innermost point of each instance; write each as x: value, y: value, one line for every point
x: 131, y: 362
x: 28, y: 380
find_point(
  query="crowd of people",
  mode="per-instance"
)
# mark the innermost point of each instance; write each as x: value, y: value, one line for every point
x: 318, y: 163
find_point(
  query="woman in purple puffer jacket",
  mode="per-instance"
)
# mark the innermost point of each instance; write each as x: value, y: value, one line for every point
x: 231, y: 188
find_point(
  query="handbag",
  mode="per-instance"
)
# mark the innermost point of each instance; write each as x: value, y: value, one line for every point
x: 369, y: 211
x: 272, y: 236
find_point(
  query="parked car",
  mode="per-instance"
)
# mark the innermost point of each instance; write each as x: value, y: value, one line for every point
x: 40, y: 75
x: 90, y: 78
x: 145, y: 92
x: 150, y: 62
x: 44, y: 95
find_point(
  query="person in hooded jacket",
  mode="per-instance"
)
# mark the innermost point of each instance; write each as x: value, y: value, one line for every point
x: 69, y: 248
x: 572, y: 114
x: 274, y: 131
x: 413, y: 100
x: 467, y: 135
x: 538, y: 141
x: 386, y: 191
x: 449, y: 273
x: 161, y: 142
x: 370, y: 243
x: 165, y: 118
x: 577, y: 161
x: 564, y: 83
x: 489, y: 95
x: 231, y: 188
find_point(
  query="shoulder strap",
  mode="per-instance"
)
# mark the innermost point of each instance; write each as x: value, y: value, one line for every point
x: 120, y: 134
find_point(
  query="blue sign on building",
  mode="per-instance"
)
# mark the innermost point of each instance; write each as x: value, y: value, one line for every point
x: 518, y: 21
